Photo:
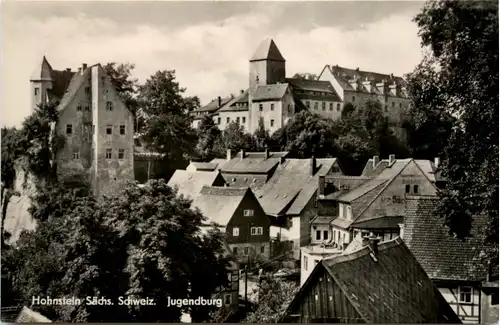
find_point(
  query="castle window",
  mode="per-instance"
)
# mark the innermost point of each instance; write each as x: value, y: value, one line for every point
x: 400, y: 105
x: 87, y: 107
x: 244, y: 119
x: 109, y: 106
x: 109, y: 153
x: 228, y: 120
x: 109, y: 129
x: 76, y: 154
x: 79, y: 107
x: 121, y: 154
x: 37, y: 91
x: 261, y: 107
x: 218, y: 120
x: 272, y: 107
x: 338, y: 107
x: 122, y: 129
x: 353, y: 98
x: 316, y: 105
x: 87, y: 90
x: 308, y: 105
x: 272, y: 123
x: 69, y: 129
x: 323, y: 106
x: 238, y: 120
x: 331, y: 106
x: 393, y: 103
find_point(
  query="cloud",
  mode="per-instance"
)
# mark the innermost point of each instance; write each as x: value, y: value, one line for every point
x: 210, y: 57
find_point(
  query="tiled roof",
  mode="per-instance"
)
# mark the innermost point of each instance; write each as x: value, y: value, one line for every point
x: 391, y: 289
x: 341, y: 222
x: 219, y: 204
x: 42, y: 72
x: 239, y: 104
x: 338, y: 185
x: 269, y: 92
x: 320, y: 220
x: 292, y: 186
x: 250, y: 165
x: 355, y: 245
x: 204, y: 166
x: 214, y: 104
x: 267, y: 50
x: 385, y: 222
x: 73, y: 87
x: 428, y: 168
x: 30, y: 316
x: 362, y: 190
x: 442, y: 256
x: 369, y: 171
x: 344, y: 75
x: 219, y: 161
x: 246, y: 180
x: 189, y: 184
x: 60, y: 82
x: 313, y: 86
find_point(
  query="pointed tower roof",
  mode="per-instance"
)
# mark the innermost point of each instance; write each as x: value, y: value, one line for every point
x: 267, y: 50
x: 43, y: 72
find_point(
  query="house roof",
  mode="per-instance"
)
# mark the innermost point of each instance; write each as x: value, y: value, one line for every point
x: 291, y: 187
x: 60, y: 82
x: 313, y: 86
x: 320, y: 220
x: 369, y: 171
x: 246, y: 180
x: 391, y: 289
x: 344, y: 75
x: 427, y: 167
x: 219, y: 161
x: 385, y: 222
x: 267, y: 50
x: 442, y: 256
x: 214, y: 104
x: 30, y: 316
x: 269, y: 92
x: 74, y: 85
x: 250, y: 164
x: 204, y: 166
x: 189, y: 184
x: 43, y: 72
x: 342, y: 184
x: 219, y: 204
x: 362, y: 189
x: 9, y: 314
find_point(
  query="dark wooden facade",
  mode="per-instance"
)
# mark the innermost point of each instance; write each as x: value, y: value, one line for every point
x: 323, y: 302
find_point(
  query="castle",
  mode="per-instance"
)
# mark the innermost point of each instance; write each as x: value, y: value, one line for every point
x: 97, y: 127
x: 274, y: 99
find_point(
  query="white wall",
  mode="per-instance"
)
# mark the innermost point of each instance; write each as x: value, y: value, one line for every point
x: 290, y: 234
x: 321, y: 229
x: 307, y: 264
x: 468, y: 312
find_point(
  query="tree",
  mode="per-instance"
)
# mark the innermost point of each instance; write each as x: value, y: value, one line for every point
x: 208, y: 135
x: 305, y: 76
x: 168, y: 124
x: 274, y: 298
x: 234, y: 137
x: 261, y: 136
x: 11, y: 151
x: 428, y: 123
x: 463, y: 39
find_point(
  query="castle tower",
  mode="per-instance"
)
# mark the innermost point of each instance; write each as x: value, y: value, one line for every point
x: 267, y: 65
x: 41, y: 81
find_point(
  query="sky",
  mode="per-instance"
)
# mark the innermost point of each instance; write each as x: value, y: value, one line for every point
x: 208, y: 44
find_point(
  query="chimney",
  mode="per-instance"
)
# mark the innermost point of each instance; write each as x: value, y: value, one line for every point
x: 219, y: 101
x: 376, y: 160
x: 229, y: 154
x: 401, y: 230
x: 68, y: 69
x: 84, y: 66
x: 282, y: 160
x: 372, y: 242
x: 437, y: 162
x: 79, y: 70
x: 357, y: 69
x: 242, y: 153
x: 313, y: 166
x: 267, y: 152
x: 392, y: 76
x: 392, y: 159
x: 321, y: 185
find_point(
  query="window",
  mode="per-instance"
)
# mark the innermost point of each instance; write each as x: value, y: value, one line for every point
x: 37, y: 91
x: 400, y: 105
x: 318, y: 234
x: 69, y: 129
x: 465, y: 294
x: 415, y: 189
x: 79, y: 107
x: 227, y: 299
x: 87, y: 107
x: 353, y: 98
x: 246, y: 250
x: 393, y: 103
x: 109, y: 106
x: 87, y: 90
x: 305, y: 263
x: 255, y: 231
x: 238, y: 120
x: 109, y: 153
x: 235, y: 250
x: 494, y: 298
x: 316, y: 105
x: 308, y: 105
x: 272, y: 107
x: 122, y: 129
x: 323, y: 106
x: 262, y: 249
x: 228, y: 120
x: 109, y: 129
x: 76, y: 154
x: 331, y: 106
x: 248, y: 213
x: 236, y: 232
x: 243, y: 119
x: 272, y: 123
x: 261, y: 107
x: 407, y: 188
x: 121, y: 154
x: 218, y: 120
x: 325, y: 234
x: 338, y: 107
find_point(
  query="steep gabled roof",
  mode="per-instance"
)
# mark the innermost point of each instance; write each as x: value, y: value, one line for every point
x: 269, y: 92
x: 250, y: 164
x: 267, y: 50
x: 219, y: 204
x: 443, y: 256
x: 213, y: 106
x: 338, y: 185
x: 189, y: 184
x: 392, y: 288
x: 42, y: 72
x: 313, y: 88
